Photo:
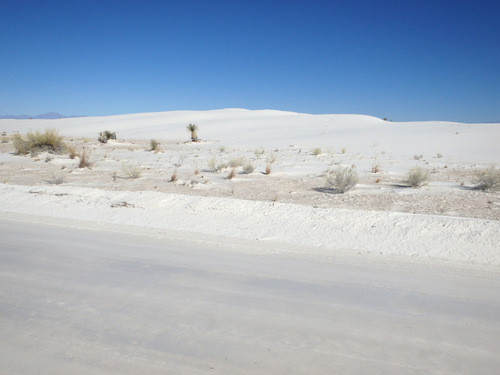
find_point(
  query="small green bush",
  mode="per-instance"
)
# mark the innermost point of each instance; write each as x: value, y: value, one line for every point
x: 105, y: 136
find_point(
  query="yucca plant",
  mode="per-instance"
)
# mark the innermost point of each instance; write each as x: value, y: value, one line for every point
x: 154, y: 145
x: 193, y: 128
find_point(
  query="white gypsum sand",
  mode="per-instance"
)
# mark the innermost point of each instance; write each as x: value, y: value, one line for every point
x: 178, y: 188
x: 158, y: 262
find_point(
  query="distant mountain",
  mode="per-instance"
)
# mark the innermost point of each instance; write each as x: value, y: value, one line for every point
x: 44, y: 116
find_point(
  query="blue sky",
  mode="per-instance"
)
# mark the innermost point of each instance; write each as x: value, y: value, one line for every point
x: 401, y: 59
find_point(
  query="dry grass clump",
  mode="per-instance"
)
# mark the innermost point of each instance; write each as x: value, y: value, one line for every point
x: 56, y: 178
x: 317, y: 151
x: 237, y: 162
x: 217, y: 166
x: 20, y: 145
x: 268, y: 168
x: 488, y: 179
x: 38, y: 141
x: 85, y: 161
x: 174, y: 177
x: 417, y: 177
x: 259, y: 152
x: 131, y: 171
x: 342, y: 179
x: 71, y: 149
x: 231, y: 174
x: 248, y: 168
x: 272, y: 157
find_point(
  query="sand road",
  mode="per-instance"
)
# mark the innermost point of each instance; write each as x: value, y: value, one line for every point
x: 88, y: 301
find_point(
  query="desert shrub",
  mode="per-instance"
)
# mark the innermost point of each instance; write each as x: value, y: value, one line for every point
x: 488, y: 179
x: 237, y: 162
x: 84, y: 161
x: 417, y: 177
x: 102, y: 138
x: 272, y: 157
x: 20, y: 145
x: 154, y: 145
x: 49, y: 140
x: 105, y: 136
x: 57, y: 178
x: 217, y: 166
x: 38, y: 141
x: 131, y: 171
x: 316, y: 151
x: 71, y: 149
x: 193, y: 128
x: 342, y: 179
x: 248, y: 168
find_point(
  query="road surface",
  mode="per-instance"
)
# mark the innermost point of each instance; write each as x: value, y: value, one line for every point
x: 87, y: 301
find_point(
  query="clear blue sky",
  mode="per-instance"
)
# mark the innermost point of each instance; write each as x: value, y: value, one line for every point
x: 401, y: 59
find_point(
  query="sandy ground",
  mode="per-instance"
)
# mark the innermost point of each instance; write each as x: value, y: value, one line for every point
x: 297, y: 176
x: 78, y: 298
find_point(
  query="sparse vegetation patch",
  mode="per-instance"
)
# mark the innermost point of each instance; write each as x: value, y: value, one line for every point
x: 38, y: 141
x: 84, y: 161
x: 488, y: 179
x: 342, y: 179
x: 131, y: 171
x: 248, y: 168
x: 105, y: 136
x: 417, y: 177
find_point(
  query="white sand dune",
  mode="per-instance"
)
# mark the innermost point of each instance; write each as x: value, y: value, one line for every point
x: 270, y: 128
